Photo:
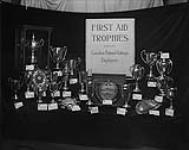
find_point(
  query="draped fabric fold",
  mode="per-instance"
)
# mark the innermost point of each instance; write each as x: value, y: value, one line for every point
x: 92, y: 5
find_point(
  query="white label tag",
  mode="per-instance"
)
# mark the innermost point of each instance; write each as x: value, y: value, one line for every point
x: 18, y: 105
x: 121, y: 111
x: 169, y: 112
x: 137, y: 96
x: 56, y: 93
x: 151, y: 84
x: 44, y: 94
x: 154, y: 112
x: 66, y: 93
x: 29, y: 67
x: 165, y: 55
x: 83, y: 97
x: 29, y: 94
x: 107, y: 102
x: 42, y: 107
x: 158, y: 99
x: 73, y: 80
x: 58, y: 73
x: 94, y: 110
x: 52, y: 106
x: 76, y: 108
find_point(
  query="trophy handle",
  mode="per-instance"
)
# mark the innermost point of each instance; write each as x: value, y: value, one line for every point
x: 170, y: 66
x: 142, y: 53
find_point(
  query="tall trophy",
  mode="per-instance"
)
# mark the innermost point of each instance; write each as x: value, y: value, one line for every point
x: 83, y: 81
x: 66, y: 73
x: 137, y: 72
x: 58, y: 55
x: 164, y: 67
x: 15, y: 87
x: 149, y: 58
x: 35, y: 46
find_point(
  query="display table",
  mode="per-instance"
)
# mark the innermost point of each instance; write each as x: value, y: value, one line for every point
x: 100, y: 130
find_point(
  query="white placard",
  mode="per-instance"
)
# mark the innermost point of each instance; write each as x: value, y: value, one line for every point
x: 18, y: 105
x: 29, y: 94
x: 136, y: 96
x: 165, y: 55
x: 94, y: 110
x: 56, y: 93
x: 107, y: 102
x: 83, y: 97
x: 76, y: 108
x: 73, y: 80
x: 154, y: 112
x: 29, y: 67
x: 169, y: 112
x: 59, y: 73
x: 66, y: 93
x: 110, y: 45
x: 151, y: 84
x: 158, y: 99
x: 121, y: 111
x: 42, y: 107
x: 52, y: 106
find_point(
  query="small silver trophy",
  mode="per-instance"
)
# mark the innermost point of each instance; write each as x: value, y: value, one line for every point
x: 58, y: 55
x: 66, y: 73
x: 164, y: 67
x: 171, y: 94
x: 137, y: 72
x: 82, y: 81
x: 149, y: 58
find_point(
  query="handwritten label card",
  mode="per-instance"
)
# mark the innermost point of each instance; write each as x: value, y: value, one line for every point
x: 66, y: 93
x: 75, y: 108
x: 18, y: 105
x: 29, y: 67
x: 169, y: 112
x: 158, y: 99
x: 165, y: 55
x: 154, y: 112
x: 136, y: 96
x: 52, y: 106
x: 121, y: 111
x: 151, y: 84
x: 29, y: 94
x: 42, y: 107
x: 107, y: 102
x: 73, y: 80
x: 83, y: 97
x: 56, y: 93
x: 94, y: 110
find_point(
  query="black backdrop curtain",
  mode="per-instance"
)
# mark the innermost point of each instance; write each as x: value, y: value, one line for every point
x: 163, y: 28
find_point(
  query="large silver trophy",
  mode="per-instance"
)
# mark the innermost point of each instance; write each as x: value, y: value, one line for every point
x: 58, y: 55
x: 164, y: 67
x: 35, y: 46
x: 150, y: 59
x: 137, y: 72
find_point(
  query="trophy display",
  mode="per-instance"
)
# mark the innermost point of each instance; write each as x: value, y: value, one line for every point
x: 164, y: 68
x: 58, y: 55
x: 150, y: 59
x: 137, y: 72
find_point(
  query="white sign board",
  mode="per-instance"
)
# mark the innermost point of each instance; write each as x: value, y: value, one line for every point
x: 110, y: 45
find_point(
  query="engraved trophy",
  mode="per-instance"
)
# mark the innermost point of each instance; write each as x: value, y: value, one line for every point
x: 58, y: 55
x: 137, y: 72
x: 40, y: 83
x: 15, y: 87
x: 149, y: 58
x: 82, y: 81
x: 35, y: 46
x: 66, y: 73
x: 171, y: 94
x: 164, y: 67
